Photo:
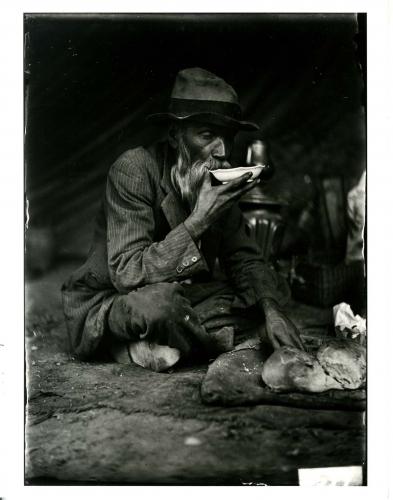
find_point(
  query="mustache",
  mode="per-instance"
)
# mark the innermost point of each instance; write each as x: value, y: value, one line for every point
x: 215, y: 164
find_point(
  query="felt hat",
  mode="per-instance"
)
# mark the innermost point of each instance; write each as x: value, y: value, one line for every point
x: 202, y: 96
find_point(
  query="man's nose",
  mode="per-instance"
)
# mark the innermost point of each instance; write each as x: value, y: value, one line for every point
x: 220, y: 150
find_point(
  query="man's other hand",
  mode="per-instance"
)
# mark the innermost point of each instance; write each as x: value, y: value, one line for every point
x: 279, y: 328
x: 213, y: 201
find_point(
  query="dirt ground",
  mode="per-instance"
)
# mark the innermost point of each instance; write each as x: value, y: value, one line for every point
x: 105, y: 423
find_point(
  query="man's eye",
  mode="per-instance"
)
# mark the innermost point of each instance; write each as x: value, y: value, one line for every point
x: 208, y: 136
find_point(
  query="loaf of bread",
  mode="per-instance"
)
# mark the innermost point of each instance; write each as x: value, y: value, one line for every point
x: 290, y: 369
x: 338, y: 364
x: 345, y: 361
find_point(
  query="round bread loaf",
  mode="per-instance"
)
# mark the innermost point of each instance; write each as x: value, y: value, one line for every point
x: 290, y: 369
x: 345, y: 361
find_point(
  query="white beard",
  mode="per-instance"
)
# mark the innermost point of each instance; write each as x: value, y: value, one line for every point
x: 187, y: 180
x: 187, y: 177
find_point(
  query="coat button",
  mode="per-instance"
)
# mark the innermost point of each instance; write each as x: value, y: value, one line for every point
x: 179, y: 269
x: 185, y: 263
x: 194, y: 259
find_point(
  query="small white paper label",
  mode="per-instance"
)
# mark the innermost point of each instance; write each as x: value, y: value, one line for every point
x: 331, y: 476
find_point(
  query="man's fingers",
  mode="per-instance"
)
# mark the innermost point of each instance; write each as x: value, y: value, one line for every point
x: 206, y: 179
x: 298, y: 341
x: 273, y: 338
x: 242, y: 190
x: 275, y: 343
x: 291, y: 339
x: 231, y: 185
x: 295, y: 336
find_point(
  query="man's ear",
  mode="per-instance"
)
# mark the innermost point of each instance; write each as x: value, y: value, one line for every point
x: 173, y: 133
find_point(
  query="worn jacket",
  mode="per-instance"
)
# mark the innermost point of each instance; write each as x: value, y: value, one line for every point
x: 140, y: 238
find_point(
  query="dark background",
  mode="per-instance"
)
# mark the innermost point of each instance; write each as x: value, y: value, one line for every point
x: 91, y: 79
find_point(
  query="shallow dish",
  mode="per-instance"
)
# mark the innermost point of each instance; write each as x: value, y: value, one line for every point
x: 225, y: 175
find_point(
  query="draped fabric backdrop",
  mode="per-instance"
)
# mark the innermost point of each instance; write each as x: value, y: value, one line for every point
x: 91, y: 79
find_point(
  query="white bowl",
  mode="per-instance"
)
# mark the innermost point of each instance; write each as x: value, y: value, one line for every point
x: 225, y: 175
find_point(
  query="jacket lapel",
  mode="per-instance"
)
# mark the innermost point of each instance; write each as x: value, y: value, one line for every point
x: 171, y: 205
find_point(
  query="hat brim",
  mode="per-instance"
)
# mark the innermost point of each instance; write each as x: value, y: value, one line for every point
x: 214, y: 118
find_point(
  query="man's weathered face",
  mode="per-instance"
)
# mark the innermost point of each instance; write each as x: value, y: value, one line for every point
x: 205, y: 141
x: 199, y: 147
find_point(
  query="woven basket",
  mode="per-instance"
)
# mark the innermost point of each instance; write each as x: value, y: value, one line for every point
x: 328, y: 284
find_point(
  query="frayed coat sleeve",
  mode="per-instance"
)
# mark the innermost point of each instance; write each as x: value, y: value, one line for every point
x: 242, y: 261
x: 134, y: 258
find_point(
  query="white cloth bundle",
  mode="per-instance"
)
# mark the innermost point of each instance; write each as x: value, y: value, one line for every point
x: 347, y: 324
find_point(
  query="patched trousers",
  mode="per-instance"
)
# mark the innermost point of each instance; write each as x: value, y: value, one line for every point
x: 157, y: 325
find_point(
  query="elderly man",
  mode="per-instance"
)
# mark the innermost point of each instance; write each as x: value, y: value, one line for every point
x: 148, y: 287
